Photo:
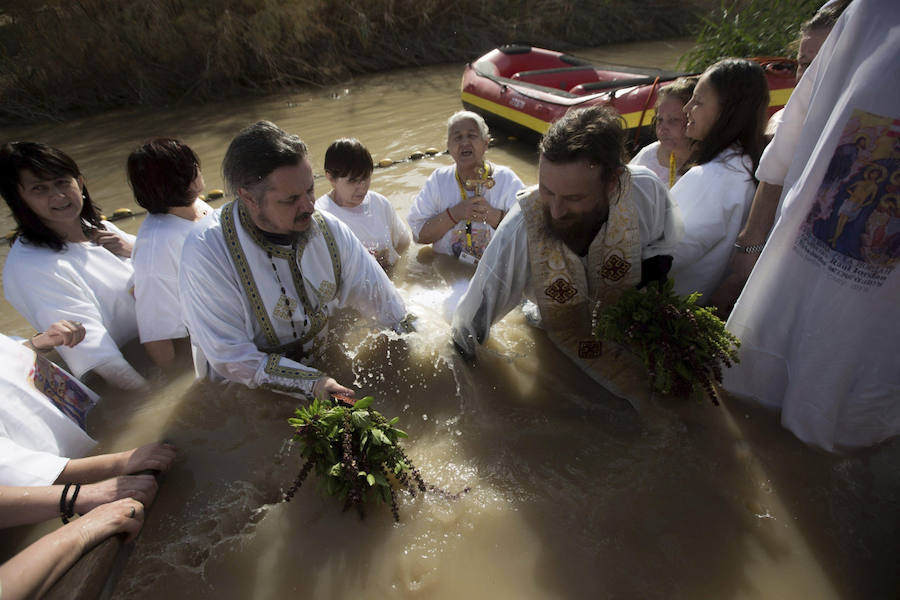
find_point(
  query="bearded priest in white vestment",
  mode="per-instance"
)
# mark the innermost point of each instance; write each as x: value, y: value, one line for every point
x: 258, y: 287
x: 592, y: 228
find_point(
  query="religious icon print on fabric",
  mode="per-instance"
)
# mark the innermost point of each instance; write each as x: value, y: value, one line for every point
x: 853, y: 226
x: 61, y: 390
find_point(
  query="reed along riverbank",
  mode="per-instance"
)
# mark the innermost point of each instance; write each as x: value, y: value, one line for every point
x: 62, y: 58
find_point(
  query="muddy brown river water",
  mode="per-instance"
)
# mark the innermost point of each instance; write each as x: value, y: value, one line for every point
x: 574, y: 494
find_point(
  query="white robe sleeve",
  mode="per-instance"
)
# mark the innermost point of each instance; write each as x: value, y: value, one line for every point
x: 364, y: 285
x: 21, y: 466
x: 156, y: 256
x: 41, y: 292
x: 508, y: 186
x: 400, y: 235
x: 714, y: 199
x: 779, y: 153
x: 704, y: 220
x: 211, y: 299
x: 158, y: 308
x: 499, y: 283
x: 659, y: 218
x: 426, y: 205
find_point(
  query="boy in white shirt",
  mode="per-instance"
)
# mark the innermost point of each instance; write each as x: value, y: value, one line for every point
x: 349, y: 166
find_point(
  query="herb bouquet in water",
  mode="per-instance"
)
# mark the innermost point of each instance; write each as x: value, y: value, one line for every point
x: 682, y: 345
x: 354, y: 451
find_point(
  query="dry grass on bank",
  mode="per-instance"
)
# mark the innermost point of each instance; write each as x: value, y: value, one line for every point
x: 65, y: 57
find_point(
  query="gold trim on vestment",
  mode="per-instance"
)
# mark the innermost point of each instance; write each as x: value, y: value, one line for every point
x: 315, y: 314
x: 567, y: 290
x: 275, y: 368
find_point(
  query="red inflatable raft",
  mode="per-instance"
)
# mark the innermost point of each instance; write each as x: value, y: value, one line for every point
x: 524, y: 89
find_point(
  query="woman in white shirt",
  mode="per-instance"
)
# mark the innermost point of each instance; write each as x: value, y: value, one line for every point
x: 667, y: 156
x: 349, y: 166
x: 165, y: 176
x: 461, y: 205
x: 66, y: 263
x: 726, y: 117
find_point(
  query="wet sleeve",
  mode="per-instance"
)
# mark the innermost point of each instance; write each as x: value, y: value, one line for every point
x: 400, y: 235
x: 512, y: 185
x: 711, y: 198
x: 364, y: 285
x: 211, y: 299
x: 498, y: 286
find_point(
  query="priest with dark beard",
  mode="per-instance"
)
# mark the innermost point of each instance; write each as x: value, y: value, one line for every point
x: 592, y: 228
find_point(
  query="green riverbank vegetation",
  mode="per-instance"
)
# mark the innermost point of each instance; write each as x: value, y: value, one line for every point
x: 60, y: 58
x: 748, y: 28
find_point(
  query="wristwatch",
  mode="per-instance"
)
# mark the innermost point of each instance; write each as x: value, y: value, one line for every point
x: 754, y: 249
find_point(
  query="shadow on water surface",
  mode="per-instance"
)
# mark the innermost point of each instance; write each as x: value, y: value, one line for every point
x: 846, y: 506
x: 573, y: 493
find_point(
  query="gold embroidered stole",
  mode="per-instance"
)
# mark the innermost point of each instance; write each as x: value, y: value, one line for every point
x: 315, y: 313
x: 566, y: 293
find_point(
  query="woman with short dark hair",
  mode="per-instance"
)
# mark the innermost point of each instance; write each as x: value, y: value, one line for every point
x: 165, y: 176
x: 726, y: 117
x: 66, y: 263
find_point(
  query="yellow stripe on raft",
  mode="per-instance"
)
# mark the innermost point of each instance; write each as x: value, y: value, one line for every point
x: 776, y: 98
x: 779, y: 97
x: 510, y: 114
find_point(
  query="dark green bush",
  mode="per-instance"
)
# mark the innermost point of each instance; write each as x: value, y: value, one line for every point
x: 746, y: 28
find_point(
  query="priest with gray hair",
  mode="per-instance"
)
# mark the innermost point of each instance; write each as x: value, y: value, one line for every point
x: 259, y: 286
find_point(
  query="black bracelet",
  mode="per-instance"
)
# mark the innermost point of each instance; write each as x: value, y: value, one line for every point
x: 62, y: 503
x: 754, y: 249
x: 67, y: 509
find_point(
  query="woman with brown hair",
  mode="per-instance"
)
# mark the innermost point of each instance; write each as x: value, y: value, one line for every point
x: 66, y: 263
x: 725, y: 117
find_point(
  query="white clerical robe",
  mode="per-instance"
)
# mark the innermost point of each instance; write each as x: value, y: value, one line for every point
x: 242, y: 321
x: 82, y: 282
x: 818, y: 318
x: 36, y: 437
x: 504, y: 276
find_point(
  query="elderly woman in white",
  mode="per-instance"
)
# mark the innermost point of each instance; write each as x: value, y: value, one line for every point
x: 461, y: 205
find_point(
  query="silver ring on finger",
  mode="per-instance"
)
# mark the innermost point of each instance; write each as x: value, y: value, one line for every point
x: 131, y: 516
